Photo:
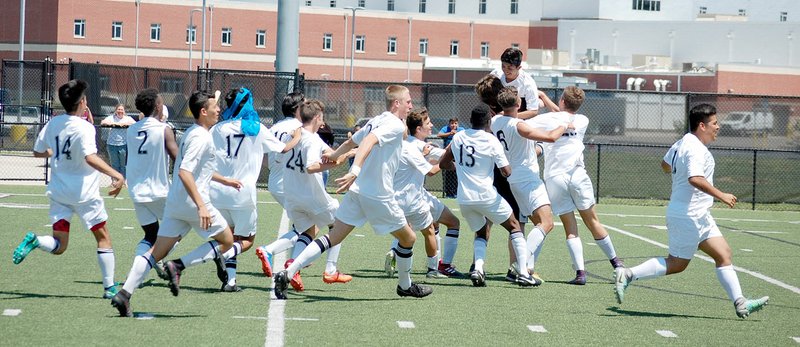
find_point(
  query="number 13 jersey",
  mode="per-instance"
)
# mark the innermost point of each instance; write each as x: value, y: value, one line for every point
x: 475, y: 153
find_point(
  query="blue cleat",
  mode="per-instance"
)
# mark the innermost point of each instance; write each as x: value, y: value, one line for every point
x: 25, y: 247
x: 745, y: 307
x: 624, y: 276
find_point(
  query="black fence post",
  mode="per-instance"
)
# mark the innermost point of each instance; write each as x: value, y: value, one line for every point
x: 597, y: 189
x: 755, y: 155
x: 146, y: 77
x: 686, y: 125
x: 425, y: 95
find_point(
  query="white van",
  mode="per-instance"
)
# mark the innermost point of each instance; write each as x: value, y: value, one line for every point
x: 745, y: 122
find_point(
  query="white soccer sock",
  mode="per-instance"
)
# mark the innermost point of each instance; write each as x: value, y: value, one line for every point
x: 520, y: 249
x: 309, y: 254
x: 730, y: 282
x: 142, y: 247
x: 480, y: 252
x: 235, y: 250
x: 607, y: 247
x: 652, y: 268
x: 535, y: 242
x: 139, y: 270
x: 404, y: 261
x: 438, y: 247
x: 230, y: 268
x: 201, y: 254
x: 450, y: 246
x: 282, y: 243
x: 48, y: 243
x: 333, y: 259
x: 105, y: 257
x: 433, y: 262
x: 576, y: 252
x: 302, y: 242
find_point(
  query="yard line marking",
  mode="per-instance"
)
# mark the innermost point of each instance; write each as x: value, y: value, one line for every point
x: 659, y: 227
x: 623, y: 215
x: 591, y: 244
x: 758, y: 232
x: 796, y: 339
x: 12, y: 312
x: 266, y: 202
x: 275, y: 315
x: 127, y: 228
x: 248, y: 317
x: 123, y: 209
x: 746, y: 250
x: 358, y: 235
x: 27, y: 206
x: 405, y: 324
x: 303, y: 319
x: 4, y: 195
x: 537, y: 328
x: 144, y: 316
x: 24, y: 194
x: 666, y: 333
x: 48, y: 225
x: 708, y: 259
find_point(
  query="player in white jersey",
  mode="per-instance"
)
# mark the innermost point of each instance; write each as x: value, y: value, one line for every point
x: 475, y: 153
x: 568, y: 184
x: 74, y: 187
x: 188, y: 206
x: 689, y: 223
x: 240, y: 141
x: 511, y: 75
x: 371, y: 195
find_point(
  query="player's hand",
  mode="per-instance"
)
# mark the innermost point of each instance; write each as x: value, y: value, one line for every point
x: 343, y: 183
x: 329, y: 158
x: 233, y: 183
x: 116, y: 187
x: 205, y: 217
x: 570, y: 125
x: 297, y: 132
x: 729, y: 199
x: 427, y: 149
x: 540, y: 94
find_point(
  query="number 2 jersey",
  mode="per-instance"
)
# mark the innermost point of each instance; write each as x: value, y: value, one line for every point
x: 475, y: 153
x: 71, y: 139
x: 147, y: 169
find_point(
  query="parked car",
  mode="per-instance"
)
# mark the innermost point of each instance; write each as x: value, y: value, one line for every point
x: 746, y: 122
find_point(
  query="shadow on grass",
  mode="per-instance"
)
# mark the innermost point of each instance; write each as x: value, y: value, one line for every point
x: 306, y: 296
x: 632, y: 313
x: 22, y: 295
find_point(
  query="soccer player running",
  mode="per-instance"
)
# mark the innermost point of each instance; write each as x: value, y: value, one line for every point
x: 371, y: 195
x: 74, y: 187
x: 476, y: 151
x: 188, y: 206
x: 689, y: 223
x: 240, y: 141
x: 568, y: 185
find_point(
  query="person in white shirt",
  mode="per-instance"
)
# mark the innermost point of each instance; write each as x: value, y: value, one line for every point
x: 115, y: 143
x: 689, y: 223
x: 240, y: 141
x: 568, y: 184
x: 188, y: 206
x: 511, y: 74
x: 371, y: 194
x: 474, y: 153
x: 74, y: 187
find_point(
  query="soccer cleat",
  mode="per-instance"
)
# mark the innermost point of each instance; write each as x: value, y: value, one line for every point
x: 389, y: 263
x: 623, y: 279
x: 336, y: 277
x: 511, y: 275
x: 266, y: 261
x: 174, y: 277
x: 122, y: 302
x: 450, y: 271
x: 25, y: 247
x: 744, y: 307
x: 536, y: 276
x: 281, y: 284
x: 221, y: 273
x: 616, y: 262
x: 580, y: 278
x: 433, y: 273
x: 162, y: 274
x: 226, y: 288
x: 110, y: 292
x: 528, y: 281
x: 296, y: 282
x: 416, y: 290
x: 478, y: 278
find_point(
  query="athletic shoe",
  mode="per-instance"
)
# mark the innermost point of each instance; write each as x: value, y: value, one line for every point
x: 478, y: 278
x: 162, y: 274
x: 616, y: 262
x: 226, y: 288
x: 26, y: 246
x: 336, y: 277
x: 122, y: 301
x: 296, y: 282
x: 580, y: 278
x: 450, y: 271
x: 281, y: 284
x: 528, y: 281
x: 266, y: 261
x: 536, y: 276
x: 389, y: 263
x: 416, y: 290
x: 110, y: 292
x: 221, y: 273
x: 744, y: 307
x: 511, y: 275
x: 433, y: 273
x: 623, y: 279
x: 174, y: 277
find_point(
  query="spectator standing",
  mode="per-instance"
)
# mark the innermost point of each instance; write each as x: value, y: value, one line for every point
x: 450, y: 179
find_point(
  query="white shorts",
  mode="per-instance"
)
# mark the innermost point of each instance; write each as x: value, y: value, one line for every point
x: 530, y: 195
x: 686, y: 232
x: 384, y: 216
x: 244, y: 222
x: 497, y: 211
x: 149, y: 212
x: 437, y: 207
x: 304, y: 219
x: 280, y: 198
x: 420, y: 218
x: 570, y: 191
x: 91, y: 213
x: 179, y: 225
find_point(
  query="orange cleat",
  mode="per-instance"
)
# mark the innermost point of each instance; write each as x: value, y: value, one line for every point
x: 336, y: 277
x: 296, y: 282
x: 266, y: 261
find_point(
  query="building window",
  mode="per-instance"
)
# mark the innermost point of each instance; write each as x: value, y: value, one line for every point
x: 515, y: 45
x: 171, y: 85
x: 80, y: 28
x: 360, y: 42
x: 362, y: 3
x: 422, y: 4
x: 742, y: 12
x: 482, y: 7
x: 116, y: 30
x: 155, y: 32
x: 389, y: 5
x: 514, y: 6
x: 703, y: 10
x: 327, y: 42
x: 784, y: 16
x: 484, y: 49
x: 454, y: 48
x: 392, y: 46
x: 261, y: 38
x: 226, y: 36
x: 333, y: 3
x: 103, y: 82
x: 423, y: 46
x: 451, y: 6
x: 191, y: 34
x: 308, y: 2
x: 647, y: 5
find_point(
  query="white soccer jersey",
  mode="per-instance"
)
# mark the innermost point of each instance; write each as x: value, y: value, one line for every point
x: 283, y: 131
x: 526, y: 88
x: 239, y: 156
x: 71, y: 139
x: 567, y: 152
x: 435, y: 154
x: 476, y: 153
x: 689, y: 157
x: 147, y: 171
x: 521, y: 152
x: 196, y: 155
x: 301, y: 188
x: 409, y: 181
x: 377, y: 175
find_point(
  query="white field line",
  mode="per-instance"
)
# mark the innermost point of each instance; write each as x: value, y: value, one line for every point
x: 708, y: 259
x: 26, y: 206
x: 275, y: 314
x: 666, y: 333
x: 623, y: 215
x: 537, y: 328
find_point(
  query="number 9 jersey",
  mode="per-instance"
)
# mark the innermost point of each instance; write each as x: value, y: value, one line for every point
x: 147, y: 169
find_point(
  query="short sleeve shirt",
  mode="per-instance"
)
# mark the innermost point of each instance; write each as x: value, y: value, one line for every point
x: 526, y: 88
x: 409, y: 181
x: 147, y: 167
x: 195, y: 155
x: 689, y: 158
x: 301, y: 188
x: 377, y: 174
x: 521, y: 152
x: 476, y: 153
x: 566, y: 153
x: 71, y: 140
x: 283, y: 131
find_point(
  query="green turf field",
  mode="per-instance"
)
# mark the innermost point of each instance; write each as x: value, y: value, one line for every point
x: 60, y: 296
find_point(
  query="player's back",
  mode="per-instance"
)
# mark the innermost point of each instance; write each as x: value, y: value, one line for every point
x: 689, y: 157
x: 377, y: 174
x: 283, y: 131
x: 147, y: 171
x: 71, y: 139
x: 300, y: 187
x: 476, y: 152
x: 565, y: 153
x: 521, y: 152
x: 409, y: 181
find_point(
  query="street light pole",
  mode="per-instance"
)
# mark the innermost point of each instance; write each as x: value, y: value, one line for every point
x: 192, y: 34
x: 353, y: 38
x: 136, y: 50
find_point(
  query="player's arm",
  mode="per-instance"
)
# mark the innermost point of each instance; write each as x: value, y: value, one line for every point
x: 446, y: 161
x: 46, y: 154
x: 505, y: 170
x: 341, y: 150
x: 547, y: 102
x: 230, y: 182
x: 527, y: 131
x: 294, y: 141
x: 187, y: 179
x: 666, y: 167
x: 434, y: 170
x: 170, y: 143
x: 107, y: 121
x: 117, y: 180
x: 705, y: 186
x: 364, y: 149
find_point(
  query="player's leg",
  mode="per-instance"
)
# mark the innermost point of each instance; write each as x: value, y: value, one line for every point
x: 450, y: 243
x: 405, y: 287
x: 518, y: 243
x: 575, y: 247
x: 718, y: 249
x: 141, y: 268
x: 56, y: 243
x: 544, y: 216
x: 332, y: 273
